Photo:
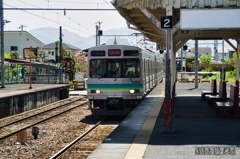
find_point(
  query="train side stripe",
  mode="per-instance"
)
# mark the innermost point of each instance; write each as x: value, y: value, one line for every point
x: 115, y: 87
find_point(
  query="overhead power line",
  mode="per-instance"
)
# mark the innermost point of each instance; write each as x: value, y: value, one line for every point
x: 75, y: 21
x: 69, y: 9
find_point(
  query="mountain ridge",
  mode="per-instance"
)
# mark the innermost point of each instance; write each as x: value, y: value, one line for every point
x: 50, y: 35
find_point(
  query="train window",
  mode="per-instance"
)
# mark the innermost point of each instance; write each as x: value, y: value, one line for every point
x: 114, y: 52
x: 98, y: 53
x: 130, y: 53
x: 97, y: 68
x: 114, y: 68
x: 131, y: 68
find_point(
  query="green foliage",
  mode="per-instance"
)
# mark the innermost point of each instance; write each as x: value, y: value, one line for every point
x: 235, y: 55
x: 231, y: 74
x: 205, y: 59
x: 11, y: 55
x: 226, y: 61
x: 80, y: 63
x: 56, y: 48
x: 189, y: 59
x: 209, y: 69
x: 189, y: 62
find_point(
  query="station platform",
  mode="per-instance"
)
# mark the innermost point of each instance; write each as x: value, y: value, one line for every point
x: 17, y: 89
x: 196, y: 128
x: 17, y: 98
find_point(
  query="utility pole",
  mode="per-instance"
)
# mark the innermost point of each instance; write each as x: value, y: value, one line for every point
x: 196, y: 63
x: 2, y: 46
x: 21, y: 27
x: 60, y: 45
x: 98, y: 33
x: 223, y: 71
x: 60, y: 57
x: 216, y: 49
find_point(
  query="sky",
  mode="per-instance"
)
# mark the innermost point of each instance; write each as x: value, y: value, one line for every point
x: 80, y: 22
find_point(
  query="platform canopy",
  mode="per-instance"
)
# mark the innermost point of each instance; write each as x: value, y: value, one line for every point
x: 145, y: 16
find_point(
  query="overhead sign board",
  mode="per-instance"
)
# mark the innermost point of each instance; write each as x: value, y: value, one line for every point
x: 195, y: 33
x: 209, y: 19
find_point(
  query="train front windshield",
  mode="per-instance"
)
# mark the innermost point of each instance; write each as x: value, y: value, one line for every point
x: 114, y: 68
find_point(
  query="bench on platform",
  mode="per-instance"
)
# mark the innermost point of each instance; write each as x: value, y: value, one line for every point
x: 221, y: 97
x: 213, y: 90
x: 194, y: 80
x: 231, y: 106
x: 204, y: 80
x: 184, y: 80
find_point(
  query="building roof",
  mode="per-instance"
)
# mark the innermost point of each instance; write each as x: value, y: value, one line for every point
x: 64, y: 45
x: 202, y: 50
x: 33, y: 63
x: 33, y: 37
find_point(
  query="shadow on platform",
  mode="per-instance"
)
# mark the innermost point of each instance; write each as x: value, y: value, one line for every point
x: 196, y: 123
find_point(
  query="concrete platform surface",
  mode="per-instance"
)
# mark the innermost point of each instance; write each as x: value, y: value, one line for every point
x: 198, y: 131
x: 15, y: 89
x: 78, y: 92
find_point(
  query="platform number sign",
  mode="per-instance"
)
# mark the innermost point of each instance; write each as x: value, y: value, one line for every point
x: 166, y: 22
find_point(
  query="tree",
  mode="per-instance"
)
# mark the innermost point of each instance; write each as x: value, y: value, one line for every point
x: 80, y: 63
x: 205, y: 59
x: 13, y: 70
x: 226, y: 61
x: 56, y: 51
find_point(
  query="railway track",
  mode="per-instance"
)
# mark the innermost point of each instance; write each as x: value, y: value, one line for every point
x: 84, y: 144
x: 27, y: 122
x: 59, y: 153
x: 55, y: 134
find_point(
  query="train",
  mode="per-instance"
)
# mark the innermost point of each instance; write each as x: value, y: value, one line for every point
x: 120, y: 76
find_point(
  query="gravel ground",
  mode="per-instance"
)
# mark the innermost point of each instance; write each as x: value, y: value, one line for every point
x: 53, y: 135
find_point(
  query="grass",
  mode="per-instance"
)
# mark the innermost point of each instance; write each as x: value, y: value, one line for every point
x: 230, y: 76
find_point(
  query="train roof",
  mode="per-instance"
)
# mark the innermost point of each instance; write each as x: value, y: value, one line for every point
x: 119, y: 41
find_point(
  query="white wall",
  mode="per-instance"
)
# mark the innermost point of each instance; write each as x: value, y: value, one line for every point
x: 22, y: 40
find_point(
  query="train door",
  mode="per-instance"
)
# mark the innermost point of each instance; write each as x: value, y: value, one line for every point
x: 151, y: 73
x: 144, y: 76
x: 155, y: 71
x: 148, y: 71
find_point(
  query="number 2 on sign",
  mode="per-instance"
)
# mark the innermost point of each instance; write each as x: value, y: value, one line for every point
x: 166, y: 23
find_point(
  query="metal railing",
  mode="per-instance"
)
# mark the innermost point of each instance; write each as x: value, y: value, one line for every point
x: 19, y: 73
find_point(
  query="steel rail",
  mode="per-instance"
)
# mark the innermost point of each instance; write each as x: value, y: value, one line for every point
x: 76, y: 140
x: 1, y: 138
x: 16, y: 121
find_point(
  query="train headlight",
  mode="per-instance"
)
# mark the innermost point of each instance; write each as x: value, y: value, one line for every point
x: 132, y: 91
x: 96, y: 91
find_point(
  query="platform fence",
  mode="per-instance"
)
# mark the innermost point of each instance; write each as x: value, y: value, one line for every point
x: 20, y: 73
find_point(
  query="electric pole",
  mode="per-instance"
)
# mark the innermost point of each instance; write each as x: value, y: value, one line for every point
x: 60, y: 57
x: 60, y: 45
x: 98, y: 33
x: 216, y: 49
x: 21, y: 27
x: 2, y: 46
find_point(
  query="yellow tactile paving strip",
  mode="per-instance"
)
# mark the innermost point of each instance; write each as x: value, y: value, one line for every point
x: 139, y: 145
